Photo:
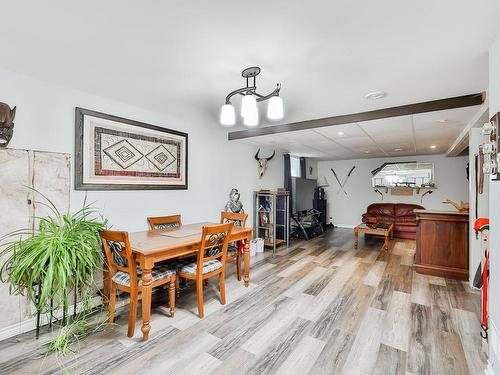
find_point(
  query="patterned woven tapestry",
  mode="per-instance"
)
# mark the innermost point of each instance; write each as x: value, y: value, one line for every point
x: 120, y: 153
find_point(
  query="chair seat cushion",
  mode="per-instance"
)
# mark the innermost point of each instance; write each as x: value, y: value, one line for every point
x: 191, y: 268
x: 158, y: 273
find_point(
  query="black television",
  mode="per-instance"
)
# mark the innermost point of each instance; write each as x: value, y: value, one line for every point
x: 302, y: 194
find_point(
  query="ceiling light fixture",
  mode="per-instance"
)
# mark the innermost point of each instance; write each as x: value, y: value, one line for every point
x: 375, y: 95
x: 340, y: 133
x: 433, y: 146
x: 398, y: 149
x: 442, y: 121
x: 249, y: 111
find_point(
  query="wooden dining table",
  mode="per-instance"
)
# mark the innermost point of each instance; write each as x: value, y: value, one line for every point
x: 153, y: 246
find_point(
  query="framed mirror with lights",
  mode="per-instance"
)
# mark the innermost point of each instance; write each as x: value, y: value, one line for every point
x: 404, y: 174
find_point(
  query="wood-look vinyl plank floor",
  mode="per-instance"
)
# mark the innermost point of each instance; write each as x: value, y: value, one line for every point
x: 318, y: 307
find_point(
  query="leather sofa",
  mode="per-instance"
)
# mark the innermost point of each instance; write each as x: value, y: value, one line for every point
x: 400, y: 214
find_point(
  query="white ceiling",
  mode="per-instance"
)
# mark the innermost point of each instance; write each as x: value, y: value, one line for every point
x: 396, y: 136
x: 180, y: 56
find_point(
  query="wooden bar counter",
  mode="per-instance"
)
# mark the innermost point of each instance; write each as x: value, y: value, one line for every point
x: 443, y: 243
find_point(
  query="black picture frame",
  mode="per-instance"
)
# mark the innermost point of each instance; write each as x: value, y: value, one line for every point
x: 80, y: 114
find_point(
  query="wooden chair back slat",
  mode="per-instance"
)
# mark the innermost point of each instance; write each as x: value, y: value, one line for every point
x: 118, y: 243
x: 239, y: 219
x: 213, y: 237
x: 164, y: 222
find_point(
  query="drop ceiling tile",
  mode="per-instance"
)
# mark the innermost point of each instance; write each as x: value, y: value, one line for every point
x: 328, y: 146
x: 387, y: 126
x: 300, y: 136
x: 391, y: 147
x: 391, y: 138
x: 457, y: 116
x: 348, y: 130
x: 354, y: 142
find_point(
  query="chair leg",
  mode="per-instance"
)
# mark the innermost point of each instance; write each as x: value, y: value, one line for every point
x: 238, y: 267
x: 222, y: 287
x: 112, y: 303
x: 132, y: 313
x: 199, y: 292
x: 171, y: 296
x: 178, y: 286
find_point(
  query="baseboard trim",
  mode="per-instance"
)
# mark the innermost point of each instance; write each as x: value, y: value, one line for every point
x: 347, y: 226
x: 30, y: 324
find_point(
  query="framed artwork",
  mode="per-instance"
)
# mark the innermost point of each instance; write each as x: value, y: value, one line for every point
x: 113, y: 153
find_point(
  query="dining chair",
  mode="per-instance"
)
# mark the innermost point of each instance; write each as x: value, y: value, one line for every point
x: 210, y: 261
x: 233, y: 252
x: 164, y: 222
x: 125, y: 275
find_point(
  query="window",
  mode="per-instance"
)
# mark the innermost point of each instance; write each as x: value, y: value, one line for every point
x: 295, y: 166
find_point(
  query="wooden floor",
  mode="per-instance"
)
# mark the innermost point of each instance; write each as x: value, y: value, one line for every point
x: 320, y: 307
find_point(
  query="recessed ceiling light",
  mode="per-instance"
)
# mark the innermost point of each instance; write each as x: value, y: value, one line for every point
x: 433, y: 146
x: 398, y: 149
x: 367, y: 152
x: 375, y: 95
x: 442, y: 121
x: 340, y: 133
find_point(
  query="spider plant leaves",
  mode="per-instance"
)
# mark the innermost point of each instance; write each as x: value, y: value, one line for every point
x: 63, y: 252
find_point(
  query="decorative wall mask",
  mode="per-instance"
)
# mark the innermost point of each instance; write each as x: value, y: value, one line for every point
x: 234, y: 204
x: 262, y: 162
x: 7, y: 116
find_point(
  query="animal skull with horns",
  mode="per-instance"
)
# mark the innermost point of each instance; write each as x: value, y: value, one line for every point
x: 262, y: 162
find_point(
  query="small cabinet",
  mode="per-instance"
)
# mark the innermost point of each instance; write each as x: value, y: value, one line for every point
x: 443, y: 243
x: 271, y: 217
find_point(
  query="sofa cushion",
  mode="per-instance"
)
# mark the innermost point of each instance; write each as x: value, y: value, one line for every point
x: 408, y: 220
x: 381, y: 209
x: 402, y: 209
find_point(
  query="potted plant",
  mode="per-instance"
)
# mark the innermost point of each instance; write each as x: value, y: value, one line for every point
x: 61, y: 255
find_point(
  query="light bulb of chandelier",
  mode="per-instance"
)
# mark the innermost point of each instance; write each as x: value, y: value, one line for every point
x: 227, y: 115
x: 251, y: 120
x: 248, y: 105
x: 275, y: 108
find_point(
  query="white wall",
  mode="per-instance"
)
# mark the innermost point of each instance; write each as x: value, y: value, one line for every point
x: 45, y: 121
x: 494, y: 211
x: 450, y: 179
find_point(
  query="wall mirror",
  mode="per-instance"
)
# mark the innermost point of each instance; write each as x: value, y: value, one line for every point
x: 404, y: 174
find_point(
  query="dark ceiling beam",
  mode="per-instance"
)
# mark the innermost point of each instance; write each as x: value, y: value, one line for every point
x: 404, y: 110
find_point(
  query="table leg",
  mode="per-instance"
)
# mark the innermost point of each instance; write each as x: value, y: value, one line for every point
x: 246, y: 261
x: 356, y: 235
x: 106, y: 287
x: 146, y: 302
x: 171, y: 297
x: 386, y: 242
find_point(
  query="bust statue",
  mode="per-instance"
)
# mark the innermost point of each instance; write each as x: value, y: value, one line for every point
x: 6, y: 123
x: 234, y: 204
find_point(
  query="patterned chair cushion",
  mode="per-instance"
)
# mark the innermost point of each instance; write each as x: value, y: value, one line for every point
x: 190, y: 268
x: 158, y: 273
x: 167, y: 225
x: 117, y: 258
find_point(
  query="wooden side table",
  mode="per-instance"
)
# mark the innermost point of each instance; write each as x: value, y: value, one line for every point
x: 387, y: 233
